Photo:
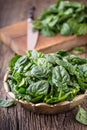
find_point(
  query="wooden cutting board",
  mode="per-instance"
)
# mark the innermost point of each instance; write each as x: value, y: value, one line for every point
x: 15, y: 36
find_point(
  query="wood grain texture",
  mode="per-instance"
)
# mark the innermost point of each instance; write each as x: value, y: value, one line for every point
x: 18, y: 118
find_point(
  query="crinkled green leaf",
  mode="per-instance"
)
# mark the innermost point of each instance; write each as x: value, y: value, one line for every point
x: 81, y: 29
x: 81, y: 116
x: 12, y: 62
x: 65, y: 30
x: 47, y: 32
x: 60, y: 76
x: 40, y: 72
x: 6, y: 103
x: 37, y: 89
x: 78, y: 50
x: 63, y: 17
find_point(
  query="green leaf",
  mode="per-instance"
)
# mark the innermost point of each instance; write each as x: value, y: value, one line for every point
x: 60, y: 76
x: 81, y: 29
x: 81, y: 116
x: 37, y: 25
x: 47, y: 32
x: 80, y: 17
x: 81, y: 75
x: 63, y: 17
x: 58, y: 3
x: 68, y: 66
x: 6, y: 103
x: 56, y: 99
x: 34, y: 55
x: 38, y: 88
x: 53, y: 22
x: 47, y: 20
x: 82, y: 69
x: 78, y: 50
x: 40, y: 72
x: 72, y: 23
x: 69, y: 11
x: 61, y: 53
x: 75, y: 60
x: 23, y: 82
x: 37, y: 99
x: 22, y: 90
x: 43, y: 62
x: 13, y: 61
x: 19, y: 65
x: 51, y: 60
x: 17, y: 77
x: 77, y: 5
x: 11, y: 84
x: 65, y: 30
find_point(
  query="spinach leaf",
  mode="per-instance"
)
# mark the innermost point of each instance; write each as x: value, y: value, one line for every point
x: 22, y: 90
x: 17, y: 77
x: 6, y: 103
x: 40, y: 72
x: 81, y: 116
x: 43, y: 62
x: 81, y: 29
x: 11, y: 84
x: 77, y: 5
x: 82, y: 76
x: 60, y: 76
x: 65, y: 29
x: 46, y: 31
x: 19, y: 65
x: 75, y: 60
x: 53, y: 100
x: 62, y: 53
x: 82, y: 69
x: 13, y: 61
x: 78, y: 50
x: 68, y: 66
x: 38, y: 88
x: 51, y: 60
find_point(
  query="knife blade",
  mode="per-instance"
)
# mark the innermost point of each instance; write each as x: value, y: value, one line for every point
x: 32, y: 36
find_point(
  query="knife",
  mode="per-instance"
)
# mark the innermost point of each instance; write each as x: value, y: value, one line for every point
x: 32, y: 36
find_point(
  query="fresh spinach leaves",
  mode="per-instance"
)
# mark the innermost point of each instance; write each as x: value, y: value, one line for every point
x: 50, y: 78
x: 64, y: 17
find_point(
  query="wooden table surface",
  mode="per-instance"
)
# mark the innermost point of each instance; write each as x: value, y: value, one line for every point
x: 17, y: 118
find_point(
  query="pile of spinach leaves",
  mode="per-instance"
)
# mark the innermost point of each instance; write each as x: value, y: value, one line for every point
x: 64, y: 17
x: 38, y: 77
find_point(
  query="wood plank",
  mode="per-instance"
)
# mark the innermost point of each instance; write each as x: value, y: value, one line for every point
x: 17, y: 118
x: 15, y: 30
x: 17, y: 34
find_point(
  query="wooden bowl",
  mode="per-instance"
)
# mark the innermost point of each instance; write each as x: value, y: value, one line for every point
x: 44, y: 108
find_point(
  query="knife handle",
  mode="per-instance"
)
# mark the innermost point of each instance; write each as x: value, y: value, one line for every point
x: 31, y: 13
